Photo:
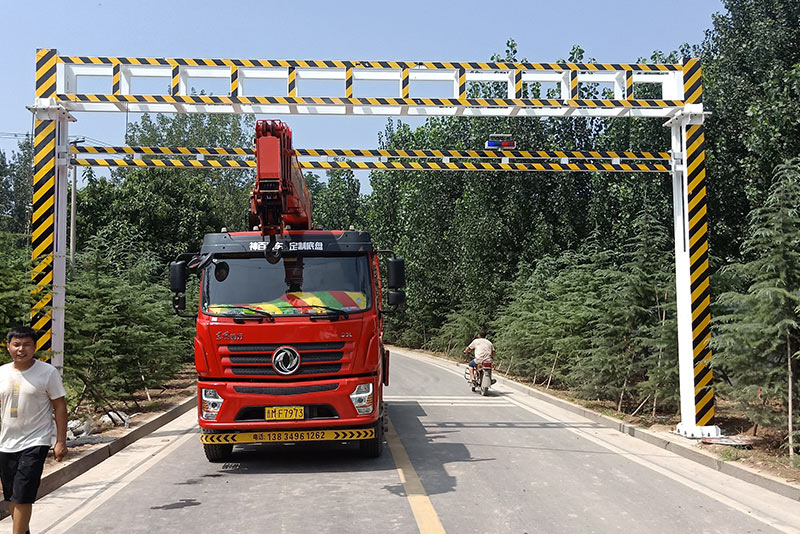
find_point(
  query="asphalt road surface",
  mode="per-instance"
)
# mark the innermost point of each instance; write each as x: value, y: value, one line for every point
x: 455, y: 462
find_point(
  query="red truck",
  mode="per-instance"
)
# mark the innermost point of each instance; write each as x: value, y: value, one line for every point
x: 289, y: 327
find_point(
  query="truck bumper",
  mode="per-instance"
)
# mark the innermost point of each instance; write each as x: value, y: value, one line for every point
x: 329, y: 414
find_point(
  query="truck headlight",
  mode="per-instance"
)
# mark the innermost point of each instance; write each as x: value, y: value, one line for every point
x: 211, y: 404
x: 362, y: 399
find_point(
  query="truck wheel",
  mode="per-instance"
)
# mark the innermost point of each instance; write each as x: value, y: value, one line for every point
x: 372, y: 448
x: 218, y: 452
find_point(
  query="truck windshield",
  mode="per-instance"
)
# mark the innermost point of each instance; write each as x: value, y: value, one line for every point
x: 295, y: 285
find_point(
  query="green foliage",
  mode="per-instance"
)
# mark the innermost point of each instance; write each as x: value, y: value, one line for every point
x: 16, y: 183
x: 759, y: 333
x: 121, y: 334
x: 171, y: 209
x: 15, y: 285
x: 750, y: 88
x: 336, y: 204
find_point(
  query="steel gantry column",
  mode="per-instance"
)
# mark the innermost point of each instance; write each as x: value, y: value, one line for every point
x: 691, y: 260
x: 48, y: 228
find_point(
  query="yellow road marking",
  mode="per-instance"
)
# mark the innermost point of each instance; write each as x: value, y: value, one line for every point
x: 424, y: 513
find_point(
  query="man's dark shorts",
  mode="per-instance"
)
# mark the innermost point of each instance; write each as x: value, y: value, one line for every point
x: 21, y: 473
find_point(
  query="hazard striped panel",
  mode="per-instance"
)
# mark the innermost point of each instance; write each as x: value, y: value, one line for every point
x: 175, y: 80
x: 234, y: 81
x: 573, y: 85
x: 628, y: 85
x: 404, y: 83
x: 43, y: 218
x: 348, y: 82
x: 292, y: 83
x: 517, y: 83
x: 378, y: 165
x: 698, y: 251
x: 115, y: 85
x: 692, y: 81
x: 462, y: 83
x: 46, y: 60
x: 42, y: 231
x: 287, y: 436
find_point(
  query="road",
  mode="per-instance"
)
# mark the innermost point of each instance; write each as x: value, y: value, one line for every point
x: 455, y: 462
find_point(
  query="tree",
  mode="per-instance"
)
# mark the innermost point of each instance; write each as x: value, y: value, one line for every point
x: 16, y: 188
x: 15, y: 284
x: 750, y: 89
x: 121, y: 334
x: 758, y: 341
x: 337, y: 203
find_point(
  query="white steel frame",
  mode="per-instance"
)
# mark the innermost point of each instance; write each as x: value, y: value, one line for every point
x: 59, y: 104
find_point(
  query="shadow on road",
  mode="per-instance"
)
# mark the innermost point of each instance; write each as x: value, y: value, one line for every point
x: 260, y: 459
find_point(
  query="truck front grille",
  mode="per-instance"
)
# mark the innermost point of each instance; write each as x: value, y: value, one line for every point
x: 294, y: 390
x: 315, y: 358
x: 267, y: 370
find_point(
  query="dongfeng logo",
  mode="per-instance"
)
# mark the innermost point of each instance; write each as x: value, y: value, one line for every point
x: 285, y: 360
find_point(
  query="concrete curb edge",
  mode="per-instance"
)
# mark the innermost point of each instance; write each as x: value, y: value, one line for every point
x: 769, y: 483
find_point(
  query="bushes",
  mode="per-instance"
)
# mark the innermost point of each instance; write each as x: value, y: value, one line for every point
x: 121, y: 332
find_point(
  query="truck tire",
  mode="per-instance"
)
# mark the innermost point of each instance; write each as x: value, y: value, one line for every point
x: 218, y: 452
x: 373, y: 448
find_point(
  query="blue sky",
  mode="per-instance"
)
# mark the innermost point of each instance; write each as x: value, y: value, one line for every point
x: 618, y: 32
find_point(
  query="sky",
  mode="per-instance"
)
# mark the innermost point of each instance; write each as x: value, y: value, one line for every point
x: 414, y: 30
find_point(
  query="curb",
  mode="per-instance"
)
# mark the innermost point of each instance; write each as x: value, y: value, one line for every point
x: 59, y: 477
x: 742, y: 473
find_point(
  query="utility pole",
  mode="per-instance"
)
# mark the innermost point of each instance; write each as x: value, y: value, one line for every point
x: 73, y: 208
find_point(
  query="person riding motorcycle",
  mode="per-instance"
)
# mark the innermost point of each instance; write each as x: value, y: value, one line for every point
x: 484, y: 350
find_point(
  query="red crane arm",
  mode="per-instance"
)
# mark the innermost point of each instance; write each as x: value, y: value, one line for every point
x: 280, y: 197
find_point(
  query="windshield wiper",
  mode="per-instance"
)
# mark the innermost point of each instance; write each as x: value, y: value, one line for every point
x: 241, y: 317
x: 337, y: 311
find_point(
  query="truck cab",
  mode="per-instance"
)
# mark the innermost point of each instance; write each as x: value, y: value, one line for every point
x: 288, y: 341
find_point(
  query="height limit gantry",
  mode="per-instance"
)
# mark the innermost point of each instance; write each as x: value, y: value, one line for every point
x: 58, y: 79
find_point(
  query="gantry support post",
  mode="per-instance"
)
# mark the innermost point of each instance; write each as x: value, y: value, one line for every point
x: 691, y: 261
x: 48, y: 234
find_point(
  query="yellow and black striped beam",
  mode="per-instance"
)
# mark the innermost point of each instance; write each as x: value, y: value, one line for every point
x: 43, y: 218
x: 377, y: 165
x: 698, y: 252
x: 292, y: 99
x: 379, y: 153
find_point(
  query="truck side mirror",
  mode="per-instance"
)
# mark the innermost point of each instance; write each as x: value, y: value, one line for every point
x: 396, y: 273
x: 396, y: 298
x: 177, y: 276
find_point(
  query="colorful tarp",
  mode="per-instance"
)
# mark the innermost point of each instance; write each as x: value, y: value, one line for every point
x: 299, y: 302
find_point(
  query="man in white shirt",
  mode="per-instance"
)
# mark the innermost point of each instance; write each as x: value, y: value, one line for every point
x: 30, y: 391
x: 484, y: 350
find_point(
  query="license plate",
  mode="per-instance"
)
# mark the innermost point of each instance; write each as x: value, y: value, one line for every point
x: 284, y: 413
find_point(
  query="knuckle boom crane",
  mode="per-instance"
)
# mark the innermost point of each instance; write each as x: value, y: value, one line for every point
x: 289, y: 328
